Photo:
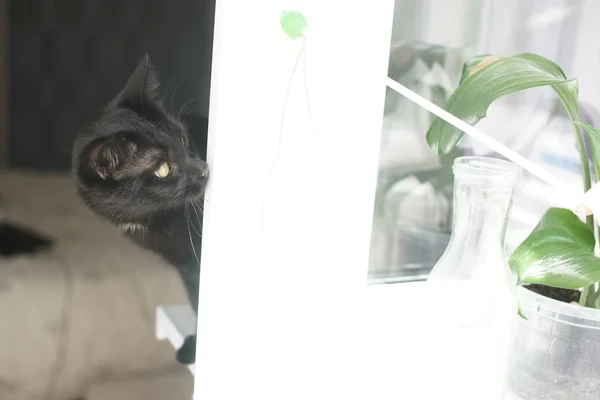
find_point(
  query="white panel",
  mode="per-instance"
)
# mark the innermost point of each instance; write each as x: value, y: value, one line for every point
x: 284, y: 309
x: 587, y: 53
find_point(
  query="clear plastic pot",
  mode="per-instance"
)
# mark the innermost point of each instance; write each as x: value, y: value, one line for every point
x: 556, y: 352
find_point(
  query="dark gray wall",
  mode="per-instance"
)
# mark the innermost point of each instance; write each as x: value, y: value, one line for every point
x: 68, y: 58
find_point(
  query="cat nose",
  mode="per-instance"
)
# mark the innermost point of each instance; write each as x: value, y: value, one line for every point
x: 203, y: 169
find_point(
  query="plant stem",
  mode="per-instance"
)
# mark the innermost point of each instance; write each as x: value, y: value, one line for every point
x: 584, y: 295
x: 573, y: 114
x: 593, y: 299
x: 592, y: 296
x: 587, y: 182
x: 585, y: 165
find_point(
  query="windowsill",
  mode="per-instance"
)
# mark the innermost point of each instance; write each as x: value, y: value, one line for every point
x: 175, y: 323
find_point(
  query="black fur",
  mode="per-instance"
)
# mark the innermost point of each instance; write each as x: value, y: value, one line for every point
x: 114, y: 162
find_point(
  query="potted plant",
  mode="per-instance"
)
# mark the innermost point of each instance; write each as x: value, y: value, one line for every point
x: 557, y: 344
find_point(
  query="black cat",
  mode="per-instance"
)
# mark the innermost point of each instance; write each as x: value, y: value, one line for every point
x: 136, y: 166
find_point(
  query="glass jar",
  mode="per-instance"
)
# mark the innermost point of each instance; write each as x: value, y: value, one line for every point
x: 471, y: 293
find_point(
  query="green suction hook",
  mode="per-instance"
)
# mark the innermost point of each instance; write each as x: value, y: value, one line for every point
x: 293, y: 24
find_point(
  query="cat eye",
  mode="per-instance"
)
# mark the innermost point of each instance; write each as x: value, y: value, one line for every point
x: 183, y: 140
x: 163, y: 171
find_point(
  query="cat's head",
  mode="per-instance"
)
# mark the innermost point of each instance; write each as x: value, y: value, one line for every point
x: 136, y: 158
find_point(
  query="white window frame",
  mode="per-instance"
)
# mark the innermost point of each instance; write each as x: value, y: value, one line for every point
x: 285, y: 310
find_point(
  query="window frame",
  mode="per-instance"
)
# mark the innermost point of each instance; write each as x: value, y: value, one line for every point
x: 284, y: 300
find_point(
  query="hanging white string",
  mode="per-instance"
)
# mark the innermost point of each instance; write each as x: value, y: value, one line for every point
x: 281, y: 131
x: 564, y: 190
x: 301, y: 57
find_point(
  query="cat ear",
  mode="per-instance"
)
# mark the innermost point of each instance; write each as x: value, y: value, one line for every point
x: 104, y: 159
x: 142, y: 85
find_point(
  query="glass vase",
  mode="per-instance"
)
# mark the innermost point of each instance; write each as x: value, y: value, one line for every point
x: 471, y: 293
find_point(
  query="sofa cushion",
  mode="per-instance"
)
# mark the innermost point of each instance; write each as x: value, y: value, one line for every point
x: 82, y: 311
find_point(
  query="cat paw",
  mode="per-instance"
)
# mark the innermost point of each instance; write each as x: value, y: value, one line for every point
x: 187, y: 353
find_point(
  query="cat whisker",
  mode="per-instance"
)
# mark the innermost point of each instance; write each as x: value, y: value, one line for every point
x: 175, y: 91
x: 194, y: 205
x: 172, y: 80
x: 205, y: 219
x: 191, y: 111
x: 200, y: 207
x: 185, y: 104
x: 197, y: 206
x: 187, y: 219
x: 205, y: 200
x: 198, y: 220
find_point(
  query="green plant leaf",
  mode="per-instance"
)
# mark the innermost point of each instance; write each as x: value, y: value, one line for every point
x: 472, y: 63
x: 594, y: 136
x: 502, y: 77
x: 558, y: 253
x: 293, y: 23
